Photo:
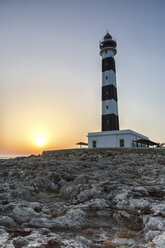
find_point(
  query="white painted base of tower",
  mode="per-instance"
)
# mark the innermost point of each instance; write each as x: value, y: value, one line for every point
x: 119, y: 138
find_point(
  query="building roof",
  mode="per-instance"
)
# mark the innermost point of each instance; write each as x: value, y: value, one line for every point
x: 118, y: 132
x: 146, y: 142
x: 82, y: 143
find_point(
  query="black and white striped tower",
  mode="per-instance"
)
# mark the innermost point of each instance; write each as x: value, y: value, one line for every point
x: 110, y: 120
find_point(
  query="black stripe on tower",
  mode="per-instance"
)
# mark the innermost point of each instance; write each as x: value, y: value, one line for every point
x: 108, y: 64
x: 109, y: 92
x: 110, y: 122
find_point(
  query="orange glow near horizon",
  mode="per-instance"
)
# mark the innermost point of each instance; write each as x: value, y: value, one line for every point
x: 25, y: 138
x: 61, y: 124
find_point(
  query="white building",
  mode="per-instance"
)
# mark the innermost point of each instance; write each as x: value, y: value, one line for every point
x: 119, y: 138
x: 111, y: 136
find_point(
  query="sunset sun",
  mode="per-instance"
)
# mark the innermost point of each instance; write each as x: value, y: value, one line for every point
x: 40, y: 141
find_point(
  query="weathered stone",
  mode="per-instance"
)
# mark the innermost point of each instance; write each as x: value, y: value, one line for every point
x: 159, y: 241
x: 88, y: 196
x: 154, y: 223
x: 3, y: 237
x: 23, y: 214
x: 8, y: 222
x: 73, y: 219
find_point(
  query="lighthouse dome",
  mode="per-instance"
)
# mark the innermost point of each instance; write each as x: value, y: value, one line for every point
x: 107, y: 36
x: 108, y: 43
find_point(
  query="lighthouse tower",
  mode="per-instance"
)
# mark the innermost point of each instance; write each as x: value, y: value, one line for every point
x: 110, y: 120
x: 110, y: 135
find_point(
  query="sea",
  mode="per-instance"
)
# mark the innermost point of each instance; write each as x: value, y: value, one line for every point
x: 8, y: 156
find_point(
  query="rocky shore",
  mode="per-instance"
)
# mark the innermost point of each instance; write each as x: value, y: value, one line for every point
x: 84, y: 198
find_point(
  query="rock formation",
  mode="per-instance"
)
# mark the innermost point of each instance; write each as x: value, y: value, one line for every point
x: 84, y: 198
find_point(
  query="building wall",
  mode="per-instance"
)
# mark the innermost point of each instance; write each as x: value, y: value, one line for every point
x: 112, y: 140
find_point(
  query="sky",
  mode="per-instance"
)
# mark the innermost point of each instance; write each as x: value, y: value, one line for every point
x: 50, y: 70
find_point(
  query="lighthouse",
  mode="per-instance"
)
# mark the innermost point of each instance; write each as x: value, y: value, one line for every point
x: 110, y: 135
x: 110, y: 120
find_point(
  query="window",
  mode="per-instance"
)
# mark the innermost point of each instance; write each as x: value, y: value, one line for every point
x: 121, y: 142
x: 105, y: 51
x: 133, y: 143
x: 94, y: 143
x: 106, y: 77
x: 107, y: 106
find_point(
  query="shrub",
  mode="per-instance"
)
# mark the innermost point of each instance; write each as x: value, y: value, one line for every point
x: 109, y: 244
x: 55, y: 214
x: 125, y: 234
